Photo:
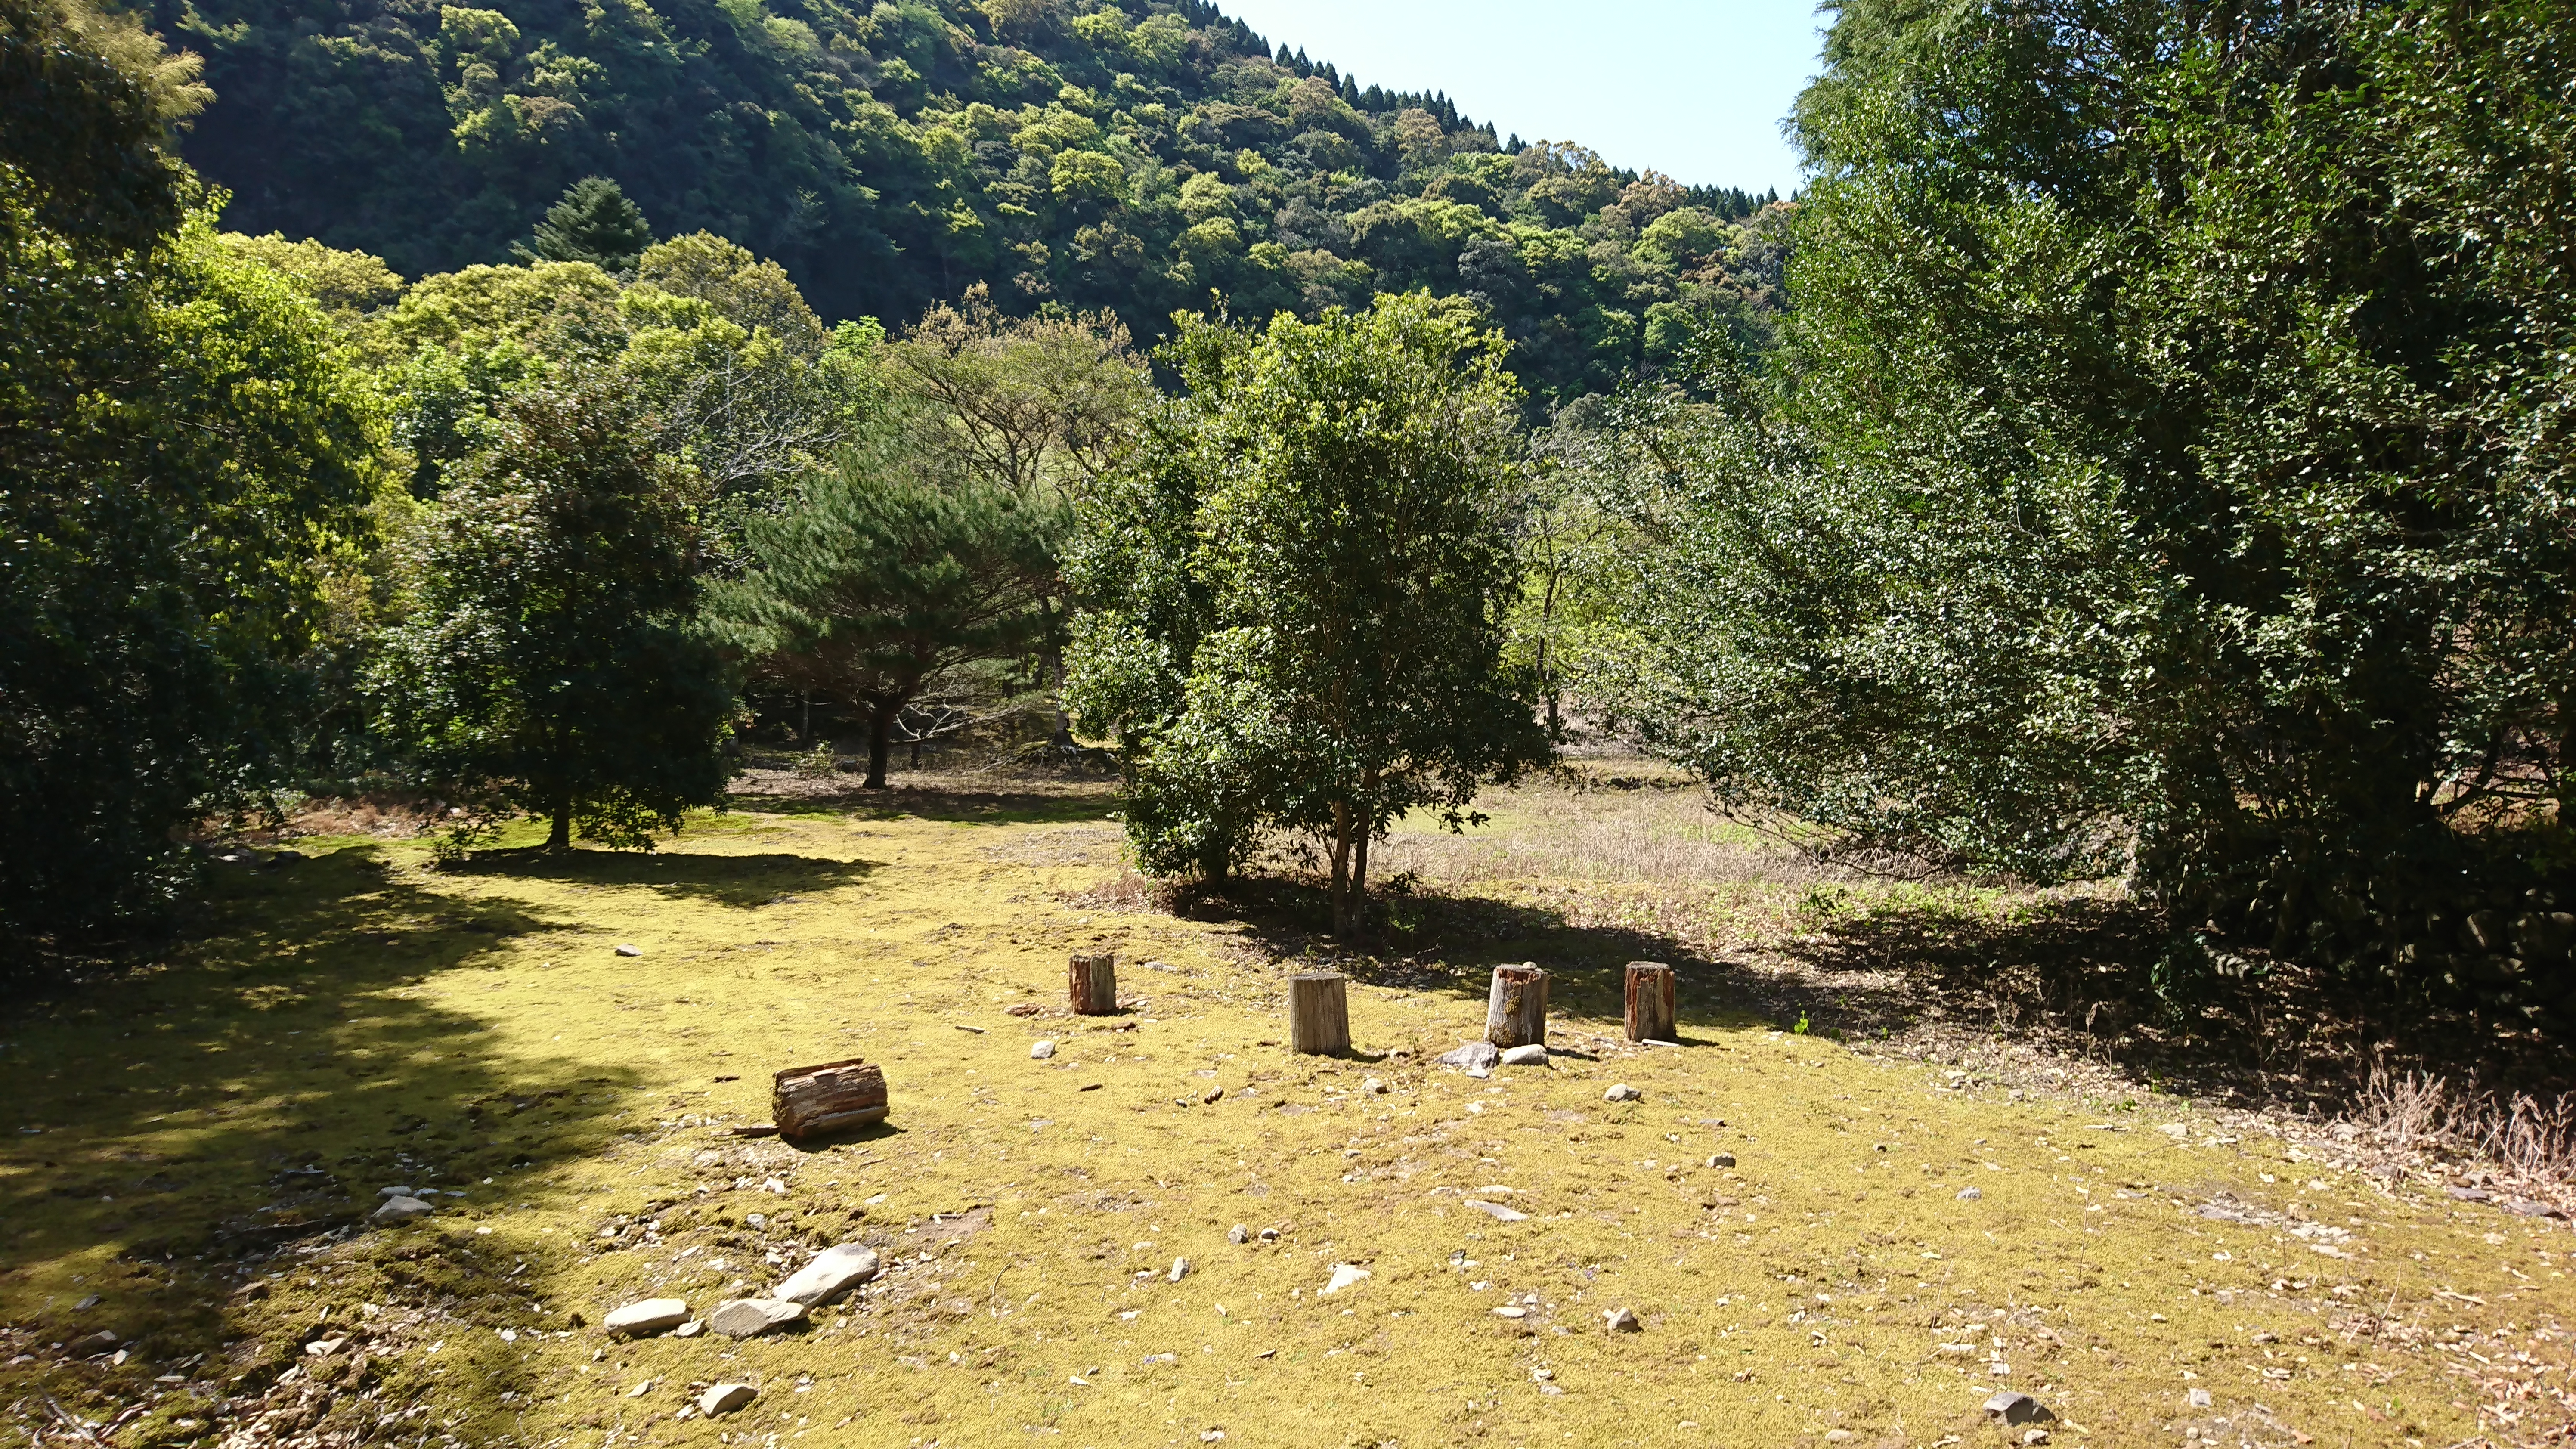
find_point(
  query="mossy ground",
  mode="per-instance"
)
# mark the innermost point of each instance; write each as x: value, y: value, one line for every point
x: 190, y: 1147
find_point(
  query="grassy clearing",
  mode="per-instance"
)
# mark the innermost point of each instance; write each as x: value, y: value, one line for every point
x: 191, y: 1146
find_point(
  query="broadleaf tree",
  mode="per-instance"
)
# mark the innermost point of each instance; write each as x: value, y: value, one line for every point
x: 552, y: 663
x: 1352, y: 531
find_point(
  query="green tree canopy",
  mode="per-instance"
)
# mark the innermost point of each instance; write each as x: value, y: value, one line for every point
x: 1347, y: 564
x: 551, y: 664
x: 594, y: 223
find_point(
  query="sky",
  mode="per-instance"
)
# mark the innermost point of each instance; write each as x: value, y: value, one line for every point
x: 1693, y: 88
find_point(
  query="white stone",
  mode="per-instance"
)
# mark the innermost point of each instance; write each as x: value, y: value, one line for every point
x: 1622, y: 1092
x: 834, y: 1271
x: 395, y: 1192
x: 1474, y: 1057
x: 629, y: 948
x: 1970, y: 1194
x: 1530, y: 1054
x: 1497, y: 1211
x: 1040, y: 1051
x: 652, y: 1315
x: 1180, y: 1269
x: 725, y: 1398
x: 751, y: 1317
x: 1239, y: 1234
x: 1344, y: 1275
x: 402, y: 1210
x: 1373, y: 1087
x: 2199, y: 1398
x: 1622, y: 1320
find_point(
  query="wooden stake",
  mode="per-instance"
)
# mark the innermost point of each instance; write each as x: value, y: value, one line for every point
x: 1092, y: 982
x: 1516, y: 1011
x: 1650, y: 1001
x: 1319, y: 1014
x: 806, y: 1101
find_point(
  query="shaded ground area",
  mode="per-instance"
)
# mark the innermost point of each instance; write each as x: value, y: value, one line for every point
x: 1979, y: 1166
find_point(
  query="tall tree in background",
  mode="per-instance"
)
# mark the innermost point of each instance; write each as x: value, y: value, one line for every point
x: 1354, y: 481
x: 594, y: 223
x: 552, y: 665
x: 183, y: 451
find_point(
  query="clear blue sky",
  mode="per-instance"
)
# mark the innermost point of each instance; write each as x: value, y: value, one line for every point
x: 1693, y: 88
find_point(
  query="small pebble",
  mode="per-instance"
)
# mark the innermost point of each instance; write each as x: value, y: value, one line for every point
x: 1180, y: 1269
x: 1969, y: 1194
x: 630, y: 949
x: 1239, y: 1235
x: 1040, y: 1051
x: 1622, y: 1092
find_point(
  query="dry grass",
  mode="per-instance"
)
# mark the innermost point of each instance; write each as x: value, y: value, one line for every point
x: 192, y: 1146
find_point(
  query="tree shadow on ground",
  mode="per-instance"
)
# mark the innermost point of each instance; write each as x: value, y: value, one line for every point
x: 2078, y: 976
x: 234, y: 1102
x: 741, y: 881
x: 1435, y: 941
x: 946, y: 803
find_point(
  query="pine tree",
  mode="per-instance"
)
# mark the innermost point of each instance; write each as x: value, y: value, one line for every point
x: 593, y: 223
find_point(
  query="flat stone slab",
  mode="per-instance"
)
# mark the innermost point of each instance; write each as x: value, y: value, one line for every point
x: 402, y: 1210
x: 2016, y: 1408
x: 1497, y: 1211
x: 653, y: 1315
x: 1529, y: 1054
x: 834, y: 1271
x: 1475, y: 1056
x: 751, y: 1317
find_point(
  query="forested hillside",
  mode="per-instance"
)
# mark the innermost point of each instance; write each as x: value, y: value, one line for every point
x: 1127, y: 154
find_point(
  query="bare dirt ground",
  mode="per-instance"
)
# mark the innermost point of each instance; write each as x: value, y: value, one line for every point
x: 1989, y: 1160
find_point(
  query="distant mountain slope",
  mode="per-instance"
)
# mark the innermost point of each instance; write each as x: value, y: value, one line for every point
x: 1090, y: 152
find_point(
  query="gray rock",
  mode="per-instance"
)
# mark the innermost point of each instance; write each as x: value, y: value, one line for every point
x: 834, y: 1271
x: 402, y: 1210
x: 1239, y: 1235
x: 1180, y: 1269
x: 1622, y: 1320
x: 1622, y: 1092
x: 1270, y: 1235
x: 1721, y: 1159
x: 2199, y: 1398
x: 751, y: 1317
x: 652, y: 1315
x: 1040, y: 1051
x: 725, y: 1398
x: 395, y: 1192
x: 1474, y: 1056
x: 1373, y: 1087
x: 1969, y: 1194
x: 1528, y: 1054
x: 2016, y: 1408
x: 1497, y: 1211
x: 629, y: 948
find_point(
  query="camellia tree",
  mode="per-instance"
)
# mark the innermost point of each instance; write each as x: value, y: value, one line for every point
x: 552, y: 664
x: 1332, y: 545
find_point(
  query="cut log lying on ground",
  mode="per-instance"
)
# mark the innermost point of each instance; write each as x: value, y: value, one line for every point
x: 806, y: 1101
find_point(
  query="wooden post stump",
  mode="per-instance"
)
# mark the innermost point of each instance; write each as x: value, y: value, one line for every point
x: 1516, y: 1011
x: 1651, y: 990
x: 806, y: 1101
x: 1092, y: 983
x: 1319, y: 1016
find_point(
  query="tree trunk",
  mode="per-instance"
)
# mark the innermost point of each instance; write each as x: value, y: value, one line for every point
x: 559, y: 835
x: 880, y: 736
x: 1343, y: 924
x: 1319, y: 1016
x: 1091, y: 983
x: 1650, y: 1002
x: 1516, y: 1008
